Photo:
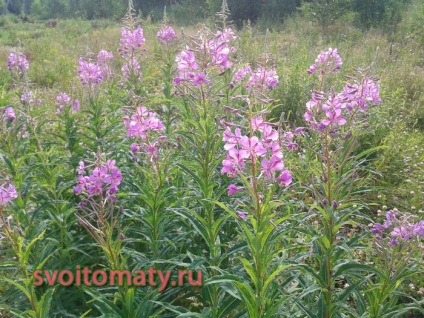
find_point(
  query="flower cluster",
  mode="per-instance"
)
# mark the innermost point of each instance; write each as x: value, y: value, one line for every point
x: 166, y: 35
x: 90, y: 73
x: 7, y: 193
x: 186, y: 65
x: 331, y: 110
x: 360, y: 95
x: 259, y: 79
x: 131, y: 69
x: 397, y: 229
x: 264, y: 149
x: 129, y: 45
x: 104, y: 56
x: 141, y: 125
x: 218, y: 48
x: 103, y: 61
x: 9, y: 114
x: 130, y: 40
x: 289, y: 141
x: 262, y: 78
x: 241, y: 74
x: 103, y: 180
x: 212, y: 50
x: 27, y: 97
x: 63, y: 100
x: 329, y: 61
x: 17, y: 63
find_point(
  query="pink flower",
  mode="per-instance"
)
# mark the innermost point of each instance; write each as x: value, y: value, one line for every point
x: 269, y: 134
x: 166, y: 35
x: 63, y: 100
x: 186, y: 60
x: 258, y: 123
x: 76, y: 105
x: 9, y: 114
x: 292, y: 145
x: 241, y: 215
x: 7, y: 193
x: 329, y: 61
x: 285, y: 178
x: 134, y: 148
x: 231, y: 139
x: 334, y: 117
x: 275, y: 149
x: 270, y: 166
x: 262, y: 78
x: 251, y: 147
x: 200, y: 79
x: 233, y: 163
x: 130, y: 40
x: 90, y: 73
x: 232, y: 189
x: 81, y: 168
x: 226, y: 35
x: 104, y: 179
x: 360, y: 95
x: 104, y: 56
x: 141, y: 125
x: 27, y: 97
x: 241, y: 74
x: 17, y: 63
x: 220, y: 54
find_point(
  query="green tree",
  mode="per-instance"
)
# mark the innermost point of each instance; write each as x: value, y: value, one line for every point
x: 373, y: 13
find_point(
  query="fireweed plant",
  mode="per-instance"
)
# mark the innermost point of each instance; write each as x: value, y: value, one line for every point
x: 255, y: 161
x: 12, y: 234
x: 165, y: 54
x: 152, y: 164
x: 335, y: 121
x: 97, y: 213
x: 397, y: 253
x: 202, y: 87
x: 131, y: 47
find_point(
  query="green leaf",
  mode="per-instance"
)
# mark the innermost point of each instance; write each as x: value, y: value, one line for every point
x: 44, y: 304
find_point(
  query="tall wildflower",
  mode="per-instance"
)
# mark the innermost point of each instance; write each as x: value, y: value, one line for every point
x: 17, y: 64
x: 397, y: 250
x: 260, y: 149
x: 330, y: 109
x: 63, y: 101
x: 130, y: 49
x: 103, y: 60
x: 334, y: 121
x: 90, y: 73
x: 8, y: 114
x: 207, y: 52
x: 7, y: 193
x: 329, y: 61
x: 398, y: 228
x: 102, y: 182
x: 131, y: 41
x: 98, y: 184
x: 144, y: 126
x: 166, y: 35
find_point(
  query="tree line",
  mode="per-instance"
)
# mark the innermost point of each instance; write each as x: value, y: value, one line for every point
x: 367, y: 13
